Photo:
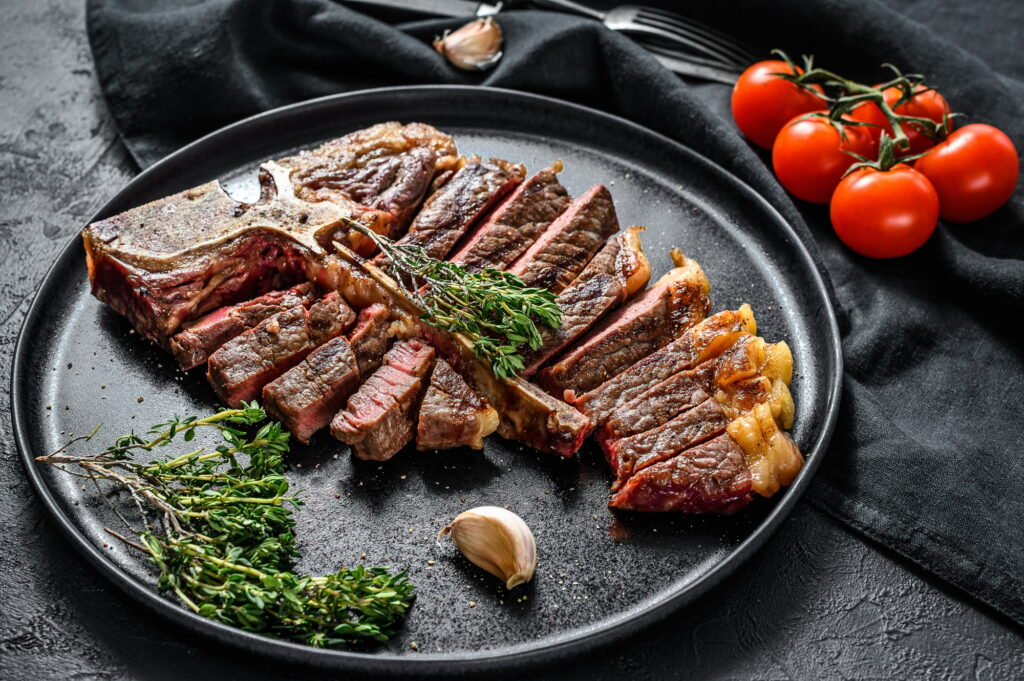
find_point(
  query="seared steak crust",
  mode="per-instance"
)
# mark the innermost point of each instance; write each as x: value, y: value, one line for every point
x: 453, y: 414
x: 707, y: 339
x: 568, y: 244
x: 692, y: 426
x: 675, y: 303
x: 384, y: 170
x: 618, y: 271
x: 199, y: 339
x: 712, y: 477
x: 242, y: 366
x: 380, y: 417
x: 516, y: 223
x: 460, y: 203
x: 306, y: 396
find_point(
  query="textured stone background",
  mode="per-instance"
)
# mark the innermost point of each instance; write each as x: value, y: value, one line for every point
x: 818, y: 602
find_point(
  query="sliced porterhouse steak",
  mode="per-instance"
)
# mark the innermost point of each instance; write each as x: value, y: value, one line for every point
x: 453, y: 414
x: 199, y: 339
x: 380, y: 417
x: 673, y: 304
x: 707, y: 339
x: 516, y: 223
x: 712, y: 477
x: 369, y: 337
x: 242, y: 366
x: 383, y: 171
x: 528, y: 414
x: 568, y: 244
x: 684, y: 390
x: 450, y: 212
x: 308, y: 395
x: 177, y: 258
x: 616, y: 273
x: 693, y: 426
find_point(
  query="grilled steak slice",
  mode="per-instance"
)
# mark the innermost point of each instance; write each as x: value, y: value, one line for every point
x: 306, y: 396
x: 707, y: 339
x: 453, y: 414
x: 568, y: 244
x: 369, y: 337
x: 199, y: 339
x: 712, y: 477
x: 382, y: 172
x: 242, y: 366
x: 460, y: 203
x: 676, y: 302
x: 684, y: 390
x: 693, y: 426
x: 516, y: 223
x: 653, y: 408
x: 528, y: 414
x: 616, y: 273
x: 380, y: 417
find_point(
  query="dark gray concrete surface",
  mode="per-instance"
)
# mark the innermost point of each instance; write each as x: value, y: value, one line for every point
x: 818, y: 602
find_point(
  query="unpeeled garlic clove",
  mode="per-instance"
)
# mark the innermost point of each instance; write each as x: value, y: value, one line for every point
x: 496, y: 540
x: 474, y: 47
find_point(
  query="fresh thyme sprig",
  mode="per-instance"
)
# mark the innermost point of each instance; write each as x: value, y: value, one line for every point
x: 494, y: 309
x: 219, y: 527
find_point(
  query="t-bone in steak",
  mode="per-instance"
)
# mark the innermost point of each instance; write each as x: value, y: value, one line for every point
x: 673, y: 304
x: 568, y: 244
x: 516, y: 223
x: 242, y: 366
x: 453, y: 414
x: 308, y: 395
x: 712, y: 477
x: 172, y: 260
x: 380, y: 417
x: 451, y: 211
x: 199, y: 339
x: 616, y: 273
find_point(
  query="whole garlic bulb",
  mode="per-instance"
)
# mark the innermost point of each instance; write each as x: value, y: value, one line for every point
x: 474, y: 47
x: 496, y: 540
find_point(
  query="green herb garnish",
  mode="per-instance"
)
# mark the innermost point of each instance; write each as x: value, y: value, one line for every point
x: 494, y: 309
x: 219, y: 526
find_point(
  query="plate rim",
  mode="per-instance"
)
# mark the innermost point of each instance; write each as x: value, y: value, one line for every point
x: 521, y: 656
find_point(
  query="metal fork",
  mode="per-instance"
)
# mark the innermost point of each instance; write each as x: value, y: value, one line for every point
x: 683, y: 45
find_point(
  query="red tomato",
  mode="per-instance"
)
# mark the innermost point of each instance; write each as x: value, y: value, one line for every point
x: 809, y: 156
x: 928, y: 104
x: 763, y: 103
x: 884, y: 214
x: 974, y: 172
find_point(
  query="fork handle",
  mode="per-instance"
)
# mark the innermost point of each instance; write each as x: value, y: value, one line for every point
x: 569, y: 6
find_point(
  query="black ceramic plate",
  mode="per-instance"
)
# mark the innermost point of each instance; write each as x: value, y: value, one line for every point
x: 600, y: 573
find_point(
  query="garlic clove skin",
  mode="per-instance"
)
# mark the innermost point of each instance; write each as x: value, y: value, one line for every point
x: 474, y: 47
x: 496, y: 540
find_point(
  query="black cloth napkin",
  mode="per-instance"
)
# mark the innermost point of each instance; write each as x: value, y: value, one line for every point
x: 926, y: 458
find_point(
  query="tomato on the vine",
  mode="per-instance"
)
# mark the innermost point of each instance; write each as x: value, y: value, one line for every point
x: 810, y: 155
x: 884, y: 213
x: 763, y: 102
x: 974, y: 172
x: 925, y: 103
